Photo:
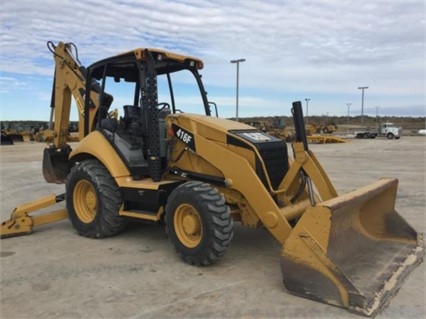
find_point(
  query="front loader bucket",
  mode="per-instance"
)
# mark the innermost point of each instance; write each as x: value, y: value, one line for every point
x: 352, y: 251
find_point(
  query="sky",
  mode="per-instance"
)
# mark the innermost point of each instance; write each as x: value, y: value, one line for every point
x: 294, y: 50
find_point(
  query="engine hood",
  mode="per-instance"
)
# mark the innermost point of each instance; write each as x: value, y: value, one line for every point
x: 185, y: 126
x: 213, y: 128
x: 269, y: 152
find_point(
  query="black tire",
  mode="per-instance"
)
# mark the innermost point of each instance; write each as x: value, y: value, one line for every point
x: 390, y: 136
x: 198, y: 223
x: 93, y: 200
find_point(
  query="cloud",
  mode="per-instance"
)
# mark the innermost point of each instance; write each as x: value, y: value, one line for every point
x: 8, y: 84
x: 291, y: 47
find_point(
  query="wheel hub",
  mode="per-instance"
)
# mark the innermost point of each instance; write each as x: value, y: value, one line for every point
x: 187, y: 224
x: 85, y: 201
x: 91, y: 200
x: 191, y: 224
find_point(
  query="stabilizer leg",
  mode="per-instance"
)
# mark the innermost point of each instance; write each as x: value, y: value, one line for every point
x: 21, y: 223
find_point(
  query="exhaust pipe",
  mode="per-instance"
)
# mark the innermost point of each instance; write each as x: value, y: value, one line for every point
x: 299, y: 125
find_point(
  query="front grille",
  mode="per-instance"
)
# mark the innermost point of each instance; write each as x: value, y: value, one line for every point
x: 272, y: 150
x: 275, y: 158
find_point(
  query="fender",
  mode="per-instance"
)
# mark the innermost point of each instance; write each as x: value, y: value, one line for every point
x: 95, y: 145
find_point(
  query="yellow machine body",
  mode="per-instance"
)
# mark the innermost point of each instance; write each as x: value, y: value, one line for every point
x: 200, y: 173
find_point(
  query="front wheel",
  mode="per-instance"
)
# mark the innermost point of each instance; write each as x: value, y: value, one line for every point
x: 390, y: 136
x: 198, y: 223
x: 93, y: 200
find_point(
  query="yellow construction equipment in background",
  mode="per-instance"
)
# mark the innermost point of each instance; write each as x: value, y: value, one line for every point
x: 200, y: 174
x: 325, y: 139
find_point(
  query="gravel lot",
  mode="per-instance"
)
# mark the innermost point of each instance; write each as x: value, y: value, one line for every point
x: 55, y: 273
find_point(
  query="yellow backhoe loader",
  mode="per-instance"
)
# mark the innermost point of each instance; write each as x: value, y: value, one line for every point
x: 199, y: 174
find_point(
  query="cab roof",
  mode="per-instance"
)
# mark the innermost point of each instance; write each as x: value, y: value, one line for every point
x: 122, y: 64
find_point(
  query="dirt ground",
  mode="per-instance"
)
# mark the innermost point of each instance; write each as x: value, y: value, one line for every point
x: 54, y: 273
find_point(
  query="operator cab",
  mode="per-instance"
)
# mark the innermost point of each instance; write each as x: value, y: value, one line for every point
x: 143, y: 84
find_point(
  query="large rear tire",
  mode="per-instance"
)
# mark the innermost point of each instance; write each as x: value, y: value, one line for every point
x: 93, y: 201
x: 198, y: 223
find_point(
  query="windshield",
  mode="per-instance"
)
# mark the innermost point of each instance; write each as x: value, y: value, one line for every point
x: 180, y: 90
x: 186, y: 96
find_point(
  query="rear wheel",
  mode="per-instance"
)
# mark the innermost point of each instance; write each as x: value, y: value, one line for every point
x: 198, y: 223
x: 93, y: 200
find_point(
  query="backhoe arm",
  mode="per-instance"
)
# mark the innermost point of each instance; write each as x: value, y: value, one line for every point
x: 69, y: 81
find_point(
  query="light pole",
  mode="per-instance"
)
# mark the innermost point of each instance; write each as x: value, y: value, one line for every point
x: 307, y: 103
x: 362, y: 103
x: 377, y: 113
x: 348, y: 105
x: 238, y: 77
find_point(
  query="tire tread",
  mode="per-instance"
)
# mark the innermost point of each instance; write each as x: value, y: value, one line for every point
x: 218, y: 218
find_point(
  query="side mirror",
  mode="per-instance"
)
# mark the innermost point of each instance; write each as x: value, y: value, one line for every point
x: 215, y: 107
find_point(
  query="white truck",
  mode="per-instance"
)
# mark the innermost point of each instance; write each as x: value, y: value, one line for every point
x: 388, y: 130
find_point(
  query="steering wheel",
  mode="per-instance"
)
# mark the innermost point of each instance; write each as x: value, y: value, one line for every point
x: 163, y: 105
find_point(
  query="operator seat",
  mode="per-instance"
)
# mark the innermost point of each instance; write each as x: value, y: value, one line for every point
x: 107, y: 123
x: 132, y: 112
x: 106, y: 100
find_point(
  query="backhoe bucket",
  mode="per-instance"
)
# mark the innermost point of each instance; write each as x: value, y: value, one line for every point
x: 56, y: 165
x: 352, y: 251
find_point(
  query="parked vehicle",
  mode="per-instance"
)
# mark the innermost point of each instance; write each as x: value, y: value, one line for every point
x: 388, y: 130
